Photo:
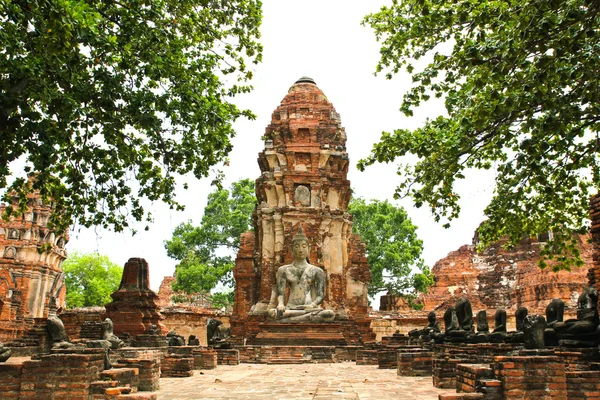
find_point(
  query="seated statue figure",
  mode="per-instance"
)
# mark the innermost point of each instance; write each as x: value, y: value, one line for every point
x: 306, y: 284
x: 518, y: 336
x: 426, y: 333
x: 554, y: 317
x: 581, y: 332
x: 483, y: 328
x: 108, y: 334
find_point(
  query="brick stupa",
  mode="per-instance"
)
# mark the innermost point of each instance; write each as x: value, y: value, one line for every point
x: 135, y: 306
x: 303, y: 185
x: 32, y: 284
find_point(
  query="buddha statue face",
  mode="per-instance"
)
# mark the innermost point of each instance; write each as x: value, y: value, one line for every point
x: 300, y: 249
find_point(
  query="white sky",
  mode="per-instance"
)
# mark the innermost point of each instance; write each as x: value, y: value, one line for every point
x: 322, y: 39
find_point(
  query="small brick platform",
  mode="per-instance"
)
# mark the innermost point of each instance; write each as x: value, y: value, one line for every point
x: 366, y: 357
x: 228, y: 356
x: 204, y: 358
x: 415, y: 364
x: 177, y: 366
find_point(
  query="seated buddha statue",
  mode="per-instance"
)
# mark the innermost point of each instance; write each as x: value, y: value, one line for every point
x: 306, y: 286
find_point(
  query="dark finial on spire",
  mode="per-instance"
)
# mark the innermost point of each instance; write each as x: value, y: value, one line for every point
x: 306, y: 79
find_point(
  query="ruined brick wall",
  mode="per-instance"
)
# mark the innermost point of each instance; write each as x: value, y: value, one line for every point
x: 74, y: 319
x: 31, y: 278
x: 191, y: 322
x: 498, y: 277
x: 166, y: 296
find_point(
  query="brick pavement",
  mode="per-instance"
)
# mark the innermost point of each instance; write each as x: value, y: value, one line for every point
x: 299, y: 381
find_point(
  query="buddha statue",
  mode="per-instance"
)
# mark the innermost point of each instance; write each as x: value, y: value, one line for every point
x: 483, y: 328
x: 498, y: 335
x: 306, y: 286
x: 581, y: 332
x: 108, y: 334
x: 426, y: 333
x: 554, y: 318
x: 459, y: 322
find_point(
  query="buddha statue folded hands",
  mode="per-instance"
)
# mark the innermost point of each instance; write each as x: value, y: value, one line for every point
x: 304, y: 285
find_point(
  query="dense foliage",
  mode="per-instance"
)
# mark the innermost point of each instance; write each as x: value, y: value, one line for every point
x: 90, y: 279
x: 393, y: 247
x: 108, y: 102
x: 205, y: 252
x: 522, y: 95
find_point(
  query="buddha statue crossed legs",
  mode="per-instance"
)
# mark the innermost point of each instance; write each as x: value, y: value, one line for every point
x: 306, y: 285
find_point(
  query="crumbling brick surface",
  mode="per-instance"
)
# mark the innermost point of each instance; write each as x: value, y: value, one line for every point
x: 32, y: 283
x: 135, y: 306
x: 531, y: 377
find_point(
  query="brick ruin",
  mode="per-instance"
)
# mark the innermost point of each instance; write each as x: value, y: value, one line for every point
x: 32, y: 284
x: 499, y: 277
x: 303, y: 185
x: 135, y: 306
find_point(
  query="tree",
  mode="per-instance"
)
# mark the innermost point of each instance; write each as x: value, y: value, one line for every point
x: 108, y: 102
x: 521, y: 93
x: 90, y: 279
x: 393, y: 248
x: 200, y: 249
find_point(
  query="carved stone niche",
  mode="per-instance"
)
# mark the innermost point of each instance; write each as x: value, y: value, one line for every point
x: 10, y: 252
x: 14, y: 234
x: 302, y: 195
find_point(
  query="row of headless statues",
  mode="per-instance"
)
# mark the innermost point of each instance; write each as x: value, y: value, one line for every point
x: 534, y: 331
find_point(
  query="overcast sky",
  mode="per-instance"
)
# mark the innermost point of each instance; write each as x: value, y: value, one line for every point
x: 322, y: 39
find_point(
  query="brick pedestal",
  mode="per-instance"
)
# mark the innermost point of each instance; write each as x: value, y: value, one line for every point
x: 531, y: 377
x: 415, y: 364
x: 177, y: 366
x: 228, y: 356
x: 204, y: 359
x: 366, y: 357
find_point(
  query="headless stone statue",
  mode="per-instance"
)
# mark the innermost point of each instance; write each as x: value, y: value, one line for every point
x: 518, y: 335
x: 175, y: 339
x: 500, y: 320
x: 450, y: 320
x: 483, y: 329
x: 108, y: 334
x: 193, y: 341
x: 581, y: 332
x: 520, y: 318
x: 533, y: 331
x: 306, y: 284
x: 554, y: 318
x: 464, y: 313
x: 459, y: 322
x: 217, y: 334
x: 482, y: 323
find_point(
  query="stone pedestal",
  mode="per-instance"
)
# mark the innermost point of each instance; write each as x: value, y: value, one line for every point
x: 134, y: 307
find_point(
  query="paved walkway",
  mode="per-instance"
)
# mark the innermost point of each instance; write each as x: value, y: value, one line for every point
x: 298, y: 381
